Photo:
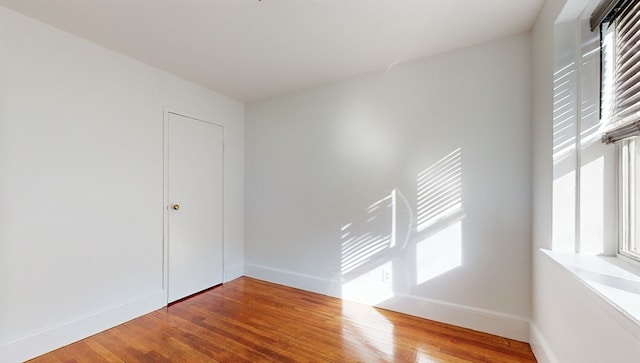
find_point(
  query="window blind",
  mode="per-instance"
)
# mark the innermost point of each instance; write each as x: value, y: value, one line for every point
x: 605, y: 11
x: 625, y: 121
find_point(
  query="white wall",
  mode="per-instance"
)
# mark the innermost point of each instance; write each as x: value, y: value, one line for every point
x: 318, y: 161
x: 81, y: 184
x: 572, y: 202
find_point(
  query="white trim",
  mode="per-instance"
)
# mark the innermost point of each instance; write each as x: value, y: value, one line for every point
x: 168, y: 110
x: 293, y: 279
x: 505, y: 325
x: 49, y: 338
x: 539, y: 345
x: 627, y: 199
x: 487, y: 321
x: 577, y: 196
x: 165, y: 202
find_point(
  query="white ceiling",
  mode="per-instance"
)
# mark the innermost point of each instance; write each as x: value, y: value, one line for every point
x: 251, y: 49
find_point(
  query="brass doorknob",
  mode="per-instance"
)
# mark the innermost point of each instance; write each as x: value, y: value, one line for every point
x: 176, y: 207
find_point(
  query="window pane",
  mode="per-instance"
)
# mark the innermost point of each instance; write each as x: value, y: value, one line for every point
x: 634, y: 183
x: 630, y: 198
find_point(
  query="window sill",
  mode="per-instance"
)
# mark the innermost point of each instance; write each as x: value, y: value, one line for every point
x: 615, y: 280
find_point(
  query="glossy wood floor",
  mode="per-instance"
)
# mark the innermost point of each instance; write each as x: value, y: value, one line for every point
x: 248, y: 320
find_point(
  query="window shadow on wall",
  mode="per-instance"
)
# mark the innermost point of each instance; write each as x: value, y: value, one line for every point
x: 375, y: 247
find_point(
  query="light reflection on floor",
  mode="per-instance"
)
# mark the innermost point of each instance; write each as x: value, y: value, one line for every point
x: 373, y: 332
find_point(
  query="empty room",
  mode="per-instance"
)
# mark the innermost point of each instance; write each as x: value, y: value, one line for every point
x: 319, y: 181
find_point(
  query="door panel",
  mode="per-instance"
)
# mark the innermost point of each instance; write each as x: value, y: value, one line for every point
x: 195, y: 167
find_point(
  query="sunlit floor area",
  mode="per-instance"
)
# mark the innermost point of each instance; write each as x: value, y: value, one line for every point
x: 248, y: 320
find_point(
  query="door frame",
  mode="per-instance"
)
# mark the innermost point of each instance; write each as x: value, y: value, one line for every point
x: 165, y: 195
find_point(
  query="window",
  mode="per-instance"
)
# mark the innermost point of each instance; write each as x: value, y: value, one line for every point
x: 619, y: 23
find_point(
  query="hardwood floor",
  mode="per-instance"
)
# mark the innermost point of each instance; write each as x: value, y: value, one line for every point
x: 248, y: 320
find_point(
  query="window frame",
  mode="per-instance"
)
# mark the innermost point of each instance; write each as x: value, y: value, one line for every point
x: 628, y: 198
x: 627, y: 141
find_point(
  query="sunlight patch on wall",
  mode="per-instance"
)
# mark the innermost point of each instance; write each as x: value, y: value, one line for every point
x: 565, y: 132
x: 363, y: 241
x: 369, y: 245
x: 440, y: 214
x: 564, y: 112
x: 372, y: 287
x: 582, y: 188
x: 439, y: 253
x: 440, y: 190
x: 366, y: 245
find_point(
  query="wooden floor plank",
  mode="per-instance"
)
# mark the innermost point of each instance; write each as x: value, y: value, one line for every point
x: 248, y: 320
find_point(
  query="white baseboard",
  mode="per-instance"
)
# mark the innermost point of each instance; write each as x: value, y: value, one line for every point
x: 487, y: 321
x: 505, y: 325
x: 539, y: 345
x: 292, y: 279
x: 53, y: 337
x: 233, y: 272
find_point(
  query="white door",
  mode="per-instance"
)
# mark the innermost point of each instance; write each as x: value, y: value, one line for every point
x: 195, y: 165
